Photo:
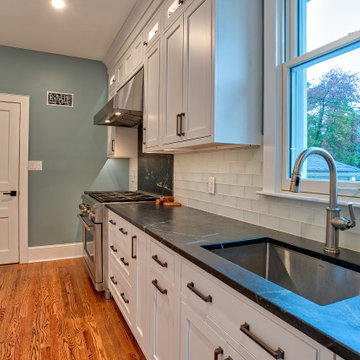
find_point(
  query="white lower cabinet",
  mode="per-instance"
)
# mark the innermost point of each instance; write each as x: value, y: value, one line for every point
x: 178, y: 311
x: 199, y: 341
x: 162, y: 318
x: 139, y: 254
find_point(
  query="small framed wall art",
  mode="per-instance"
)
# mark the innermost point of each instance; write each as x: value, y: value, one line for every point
x: 55, y: 98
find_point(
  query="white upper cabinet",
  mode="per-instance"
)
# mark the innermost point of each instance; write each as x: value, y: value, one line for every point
x: 172, y: 10
x: 134, y: 56
x: 152, y: 97
x: 203, y: 74
x: 173, y: 82
x: 216, y: 47
x: 122, y: 142
x: 112, y: 83
x: 198, y: 74
x: 153, y: 30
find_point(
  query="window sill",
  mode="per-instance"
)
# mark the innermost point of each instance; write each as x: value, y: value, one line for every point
x: 315, y: 198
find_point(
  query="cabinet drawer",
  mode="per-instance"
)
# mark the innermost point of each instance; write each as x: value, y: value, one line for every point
x: 120, y: 290
x: 123, y: 263
x: 122, y: 230
x: 162, y: 261
x: 217, y: 304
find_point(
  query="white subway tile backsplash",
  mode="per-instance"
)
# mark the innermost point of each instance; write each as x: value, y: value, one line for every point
x: 238, y: 175
x: 269, y: 221
x: 290, y: 226
x: 251, y: 217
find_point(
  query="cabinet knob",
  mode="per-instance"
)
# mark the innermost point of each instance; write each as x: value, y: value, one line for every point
x: 145, y: 43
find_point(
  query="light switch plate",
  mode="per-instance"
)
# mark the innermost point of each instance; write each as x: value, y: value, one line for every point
x: 35, y: 165
x: 211, y: 185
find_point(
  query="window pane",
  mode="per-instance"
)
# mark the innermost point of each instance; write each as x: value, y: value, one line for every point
x: 324, y: 21
x: 325, y: 112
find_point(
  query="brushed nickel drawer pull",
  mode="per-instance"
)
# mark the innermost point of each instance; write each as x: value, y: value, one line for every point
x: 112, y: 278
x: 112, y: 222
x: 123, y: 231
x: 126, y: 263
x: 155, y: 283
x: 276, y: 354
x: 162, y: 264
x: 133, y: 240
x: 178, y: 125
x: 126, y: 301
x: 218, y: 351
x: 191, y: 286
x: 182, y: 131
x: 113, y: 248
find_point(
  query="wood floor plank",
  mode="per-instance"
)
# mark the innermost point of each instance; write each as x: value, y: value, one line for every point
x: 50, y: 311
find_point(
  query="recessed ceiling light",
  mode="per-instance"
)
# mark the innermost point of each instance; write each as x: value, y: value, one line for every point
x: 59, y: 4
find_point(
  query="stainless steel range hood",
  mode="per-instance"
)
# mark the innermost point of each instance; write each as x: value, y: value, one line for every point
x: 126, y: 107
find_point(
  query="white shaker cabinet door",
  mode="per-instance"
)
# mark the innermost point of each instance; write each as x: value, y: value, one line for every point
x: 139, y: 255
x: 152, y: 97
x: 173, y: 80
x: 199, y: 341
x: 198, y: 84
x: 162, y: 319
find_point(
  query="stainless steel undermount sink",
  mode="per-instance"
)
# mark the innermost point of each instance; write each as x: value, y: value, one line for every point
x: 290, y: 267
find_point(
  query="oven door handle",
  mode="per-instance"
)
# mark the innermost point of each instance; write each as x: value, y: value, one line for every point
x: 84, y: 223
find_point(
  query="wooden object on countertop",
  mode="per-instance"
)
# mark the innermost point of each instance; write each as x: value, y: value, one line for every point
x: 172, y: 204
x: 50, y: 310
x: 168, y: 199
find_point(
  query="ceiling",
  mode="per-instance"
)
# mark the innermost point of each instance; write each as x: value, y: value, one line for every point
x: 83, y: 28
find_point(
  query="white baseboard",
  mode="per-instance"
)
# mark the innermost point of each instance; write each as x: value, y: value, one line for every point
x: 55, y: 252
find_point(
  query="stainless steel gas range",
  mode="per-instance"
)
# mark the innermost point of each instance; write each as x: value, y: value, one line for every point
x: 92, y: 219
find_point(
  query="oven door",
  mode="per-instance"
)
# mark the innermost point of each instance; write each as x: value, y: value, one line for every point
x: 92, y: 250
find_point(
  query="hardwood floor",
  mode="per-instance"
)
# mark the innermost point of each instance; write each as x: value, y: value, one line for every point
x: 50, y: 310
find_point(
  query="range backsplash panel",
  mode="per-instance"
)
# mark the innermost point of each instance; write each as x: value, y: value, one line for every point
x: 155, y: 171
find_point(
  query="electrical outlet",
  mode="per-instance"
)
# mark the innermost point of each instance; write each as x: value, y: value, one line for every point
x: 211, y: 185
x: 35, y: 165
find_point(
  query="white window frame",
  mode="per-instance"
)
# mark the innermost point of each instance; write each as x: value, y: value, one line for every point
x: 278, y: 61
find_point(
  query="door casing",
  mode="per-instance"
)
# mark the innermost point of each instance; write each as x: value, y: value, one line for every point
x: 23, y: 197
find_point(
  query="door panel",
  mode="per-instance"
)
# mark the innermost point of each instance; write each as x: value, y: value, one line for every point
x: 173, y: 65
x: 9, y: 178
x: 152, y: 96
x: 162, y: 328
x: 198, y: 340
x: 198, y: 73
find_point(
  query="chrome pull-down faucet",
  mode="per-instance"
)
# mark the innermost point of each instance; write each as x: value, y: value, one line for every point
x: 334, y: 222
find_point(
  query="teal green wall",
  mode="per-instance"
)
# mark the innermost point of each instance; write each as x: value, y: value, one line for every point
x: 72, y: 149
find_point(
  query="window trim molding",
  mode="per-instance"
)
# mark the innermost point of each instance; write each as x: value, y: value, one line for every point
x: 311, y: 186
x: 277, y: 98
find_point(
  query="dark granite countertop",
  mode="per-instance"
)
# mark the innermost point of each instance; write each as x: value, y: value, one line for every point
x: 336, y: 326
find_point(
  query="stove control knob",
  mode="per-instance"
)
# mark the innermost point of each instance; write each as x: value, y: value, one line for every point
x: 82, y: 208
x: 91, y: 215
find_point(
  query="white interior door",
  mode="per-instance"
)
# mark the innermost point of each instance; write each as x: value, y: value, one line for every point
x: 9, y: 181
